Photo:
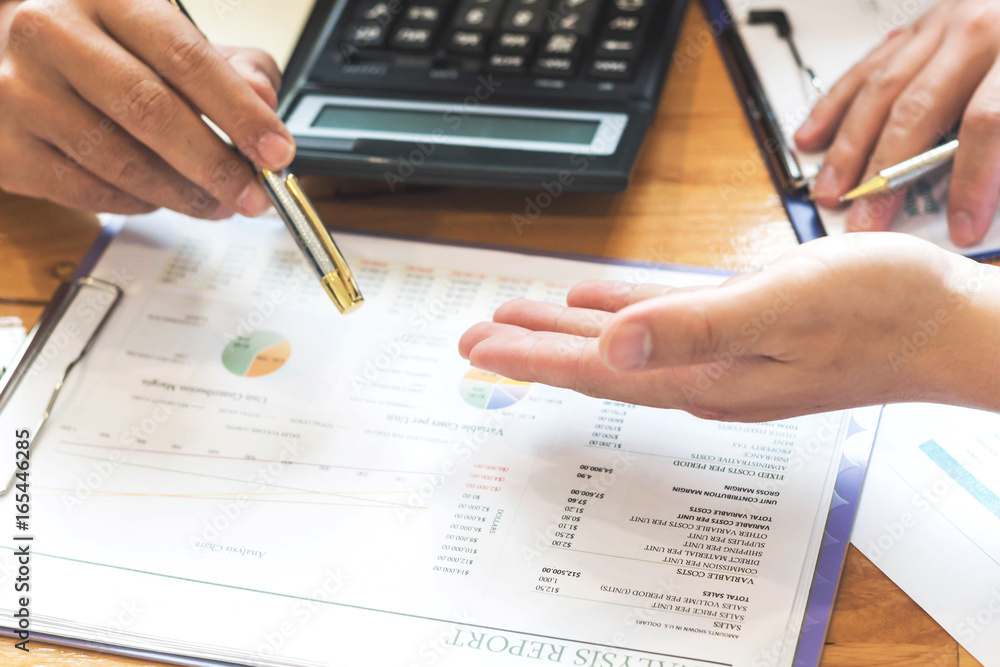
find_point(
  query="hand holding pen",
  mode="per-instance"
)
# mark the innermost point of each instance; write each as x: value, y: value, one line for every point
x: 896, y: 104
x: 98, y: 104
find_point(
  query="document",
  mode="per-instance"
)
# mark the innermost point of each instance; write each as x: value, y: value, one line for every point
x: 11, y: 336
x: 832, y: 37
x: 930, y: 517
x: 238, y: 472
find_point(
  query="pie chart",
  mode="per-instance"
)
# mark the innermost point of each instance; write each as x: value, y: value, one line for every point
x: 259, y: 353
x: 489, y: 391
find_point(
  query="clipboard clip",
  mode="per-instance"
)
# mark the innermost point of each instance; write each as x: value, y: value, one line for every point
x: 782, y: 162
x: 40, y: 336
x: 779, y: 19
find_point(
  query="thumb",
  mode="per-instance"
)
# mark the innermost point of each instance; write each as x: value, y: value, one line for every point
x: 687, y: 328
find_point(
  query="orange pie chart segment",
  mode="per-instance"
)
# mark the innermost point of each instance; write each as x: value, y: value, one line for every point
x: 270, y: 360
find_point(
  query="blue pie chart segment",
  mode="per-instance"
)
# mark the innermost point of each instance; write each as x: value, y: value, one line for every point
x: 489, y: 391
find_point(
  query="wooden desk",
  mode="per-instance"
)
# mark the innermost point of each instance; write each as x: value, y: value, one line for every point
x: 679, y: 208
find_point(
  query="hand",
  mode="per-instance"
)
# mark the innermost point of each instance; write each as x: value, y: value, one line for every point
x: 839, y: 322
x: 902, y: 98
x: 100, y: 104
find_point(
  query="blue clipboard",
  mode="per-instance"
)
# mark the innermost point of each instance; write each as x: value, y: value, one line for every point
x: 778, y: 156
x: 812, y: 624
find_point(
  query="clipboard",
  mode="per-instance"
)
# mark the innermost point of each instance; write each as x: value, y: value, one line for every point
x: 837, y: 517
x: 790, y: 179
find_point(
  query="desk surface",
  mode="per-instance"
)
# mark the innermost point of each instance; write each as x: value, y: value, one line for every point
x: 700, y: 195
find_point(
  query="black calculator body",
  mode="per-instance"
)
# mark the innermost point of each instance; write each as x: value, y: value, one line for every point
x: 554, y: 94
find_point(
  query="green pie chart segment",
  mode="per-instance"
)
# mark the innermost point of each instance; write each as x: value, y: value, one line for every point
x: 489, y: 391
x: 256, y: 354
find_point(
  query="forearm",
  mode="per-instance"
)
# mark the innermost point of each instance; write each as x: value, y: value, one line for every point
x: 964, y: 367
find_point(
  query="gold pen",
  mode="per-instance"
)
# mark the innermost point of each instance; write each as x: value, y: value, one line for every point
x: 905, y: 172
x: 307, y: 229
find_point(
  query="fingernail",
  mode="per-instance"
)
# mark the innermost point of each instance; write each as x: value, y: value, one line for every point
x: 630, y: 347
x: 827, y: 183
x: 275, y: 150
x: 253, y: 201
x: 963, y: 230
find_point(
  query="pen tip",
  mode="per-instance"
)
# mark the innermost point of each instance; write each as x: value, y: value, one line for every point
x: 874, y: 186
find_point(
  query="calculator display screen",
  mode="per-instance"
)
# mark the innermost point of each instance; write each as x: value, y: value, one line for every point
x: 457, y: 124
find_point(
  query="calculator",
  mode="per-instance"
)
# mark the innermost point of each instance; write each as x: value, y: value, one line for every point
x: 554, y: 94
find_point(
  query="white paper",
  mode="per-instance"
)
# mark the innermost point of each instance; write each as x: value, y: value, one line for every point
x: 832, y: 37
x: 274, y: 27
x: 240, y: 472
x: 930, y: 517
x: 11, y: 336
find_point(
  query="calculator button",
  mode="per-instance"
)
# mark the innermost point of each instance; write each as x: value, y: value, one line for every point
x: 411, y: 38
x: 423, y: 13
x: 562, y: 44
x: 631, y: 6
x: 623, y: 24
x: 610, y: 68
x: 367, y: 35
x: 576, y: 22
x: 467, y: 41
x: 564, y: 7
x: 549, y: 67
x: 477, y: 14
x: 616, y: 48
x: 515, y: 42
x: 382, y: 11
x: 506, y: 63
x: 524, y: 17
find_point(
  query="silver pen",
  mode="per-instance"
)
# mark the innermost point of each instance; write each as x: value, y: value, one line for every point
x: 307, y: 229
x: 905, y: 172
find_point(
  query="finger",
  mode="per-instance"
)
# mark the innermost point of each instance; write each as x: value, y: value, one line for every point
x: 923, y: 112
x: 612, y: 296
x: 819, y: 128
x: 483, y: 330
x: 575, y: 363
x: 859, y: 130
x: 40, y: 176
x: 258, y: 69
x: 874, y: 213
x: 161, y: 36
x: 694, y: 327
x: 542, y: 316
x: 148, y: 109
x: 96, y: 143
x: 975, y: 178
x: 260, y: 61
x: 258, y: 82
x: 559, y: 360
